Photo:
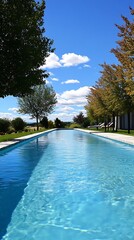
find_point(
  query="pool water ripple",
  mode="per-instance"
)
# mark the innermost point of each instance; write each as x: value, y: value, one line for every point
x: 82, y: 188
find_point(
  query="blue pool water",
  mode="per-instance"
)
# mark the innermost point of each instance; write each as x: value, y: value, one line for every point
x: 67, y: 185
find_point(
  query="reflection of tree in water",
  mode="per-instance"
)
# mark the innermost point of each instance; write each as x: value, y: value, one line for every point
x: 16, y: 167
x: 33, y: 152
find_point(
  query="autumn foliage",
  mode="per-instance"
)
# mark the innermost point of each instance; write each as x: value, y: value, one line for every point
x: 113, y: 93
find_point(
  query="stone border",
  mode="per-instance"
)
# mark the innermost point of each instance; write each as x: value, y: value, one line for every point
x: 20, y: 139
x: 113, y: 136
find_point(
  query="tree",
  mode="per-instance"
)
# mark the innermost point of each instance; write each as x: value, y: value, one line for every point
x: 4, y: 125
x: 86, y: 122
x: 125, y: 55
x: 58, y: 123
x: 23, y: 46
x: 125, y: 51
x: 44, y: 122
x: 39, y: 103
x: 18, y: 124
x: 50, y: 124
x: 79, y: 118
x: 97, y: 106
x: 113, y: 94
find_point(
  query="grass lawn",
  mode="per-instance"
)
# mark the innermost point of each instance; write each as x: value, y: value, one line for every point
x: 8, y: 137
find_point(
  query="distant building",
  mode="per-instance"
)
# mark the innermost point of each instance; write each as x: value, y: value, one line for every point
x: 123, y: 121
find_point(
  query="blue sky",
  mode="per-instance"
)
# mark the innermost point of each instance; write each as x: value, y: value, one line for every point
x: 84, y: 32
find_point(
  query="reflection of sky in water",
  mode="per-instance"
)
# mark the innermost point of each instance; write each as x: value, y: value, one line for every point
x: 82, y: 188
x: 16, y: 166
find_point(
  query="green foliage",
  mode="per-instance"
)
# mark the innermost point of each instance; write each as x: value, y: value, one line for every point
x: 86, y: 122
x: 50, y: 124
x: 39, y: 103
x: 59, y: 123
x: 44, y: 122
x: 18, y: 124
x: 4, y: 125
x: 79, y: 118
x: 75, y: 125
x: 113, y: 93
x: 10, y: 130
x: 23, y: 46
x: 125, y: 52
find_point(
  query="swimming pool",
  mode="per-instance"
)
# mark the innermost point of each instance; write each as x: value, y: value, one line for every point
x: 67, y: 185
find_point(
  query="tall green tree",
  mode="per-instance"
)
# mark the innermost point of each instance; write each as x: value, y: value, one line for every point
x: 79, y: 118
x: 114, y: 91
x: 97, y: 106
x: 38, y: 104
x: 23, y: 46
x: 44, y: 122
x: 125, y: 70
x: 113, y: 94
x: 125, y: 51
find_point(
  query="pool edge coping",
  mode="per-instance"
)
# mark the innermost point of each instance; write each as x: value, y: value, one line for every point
x: 112, y: 136
x: 15, y: 141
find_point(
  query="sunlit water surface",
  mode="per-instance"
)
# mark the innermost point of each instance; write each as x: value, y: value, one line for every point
x: 79, y: 187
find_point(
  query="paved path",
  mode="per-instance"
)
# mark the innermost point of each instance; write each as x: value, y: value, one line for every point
x: 17, y: 140
x: 115, y: 136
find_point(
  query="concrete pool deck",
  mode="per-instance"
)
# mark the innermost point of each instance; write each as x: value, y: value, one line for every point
x: 114, y: 136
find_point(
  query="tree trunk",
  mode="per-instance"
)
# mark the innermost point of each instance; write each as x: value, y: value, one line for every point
x: 116, y: 127
x: 105, y: 123
x: 37, y: 122
x: 113, y: 121
x: 128, y: 118
x: 116, y: 123
x: 97, y: 124
x: 108, y: 123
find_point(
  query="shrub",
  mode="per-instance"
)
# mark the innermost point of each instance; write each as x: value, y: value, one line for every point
x: 75, y: 125
x: 18, y: 124
x: 50, y: 124
x: 10, y: 130
x: 26, y: 130
x: 4, y: 125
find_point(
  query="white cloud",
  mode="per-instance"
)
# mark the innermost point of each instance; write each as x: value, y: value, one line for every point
x: 70, y: 81
x: 52, y: 61
x: 65, y: 109
x: 66, y: 117
x: 79, y: 93
x: 72, y: 59
x: 67, y: 60
x: 73, y: 97
x: 70, y: 103
x: 55, y: 79
x: 48, y: 82
x: 51, y: 74
x: 12, y: 116
x: 86, y: 66
x: 15, y: 110
x: 5, y: 115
